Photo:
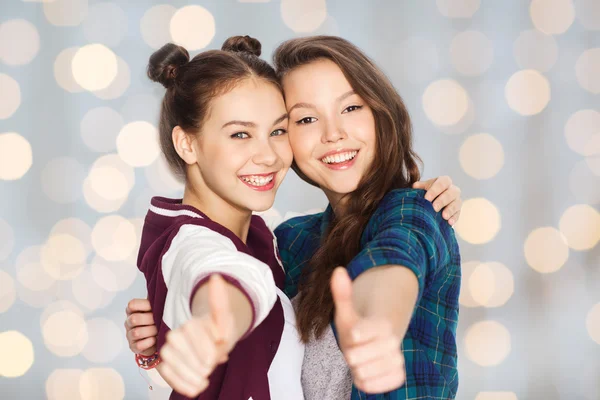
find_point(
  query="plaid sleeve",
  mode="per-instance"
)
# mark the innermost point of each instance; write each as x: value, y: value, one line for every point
x: 405, y: 231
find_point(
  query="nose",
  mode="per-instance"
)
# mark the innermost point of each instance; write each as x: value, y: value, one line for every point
x: 265, y: 154
x: 334, y: 131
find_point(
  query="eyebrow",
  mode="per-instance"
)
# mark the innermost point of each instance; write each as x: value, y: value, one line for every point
x: 249, y: 124
x: 308, y: 105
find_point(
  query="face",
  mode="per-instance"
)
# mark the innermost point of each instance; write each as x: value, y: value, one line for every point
x: 243, y: 147
x: 331, y: 129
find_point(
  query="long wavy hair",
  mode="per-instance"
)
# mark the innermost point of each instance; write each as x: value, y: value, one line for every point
x: 395, y: 165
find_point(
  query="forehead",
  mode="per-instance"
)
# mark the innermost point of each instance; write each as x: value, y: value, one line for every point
x: 316, y: 79
x: 250, y: 100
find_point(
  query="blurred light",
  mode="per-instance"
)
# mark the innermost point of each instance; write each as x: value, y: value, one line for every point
x: 65, y: 333
x: 108, y: 185
x: 63, y: 256
x: 496, y: 396
x: 303, y: 17
x: 101, y: 384
x: 8, y: 239
x: 487, y: 343
x: 466, y: 299
x: 119, y: 85
x: 114, y: 238
x: 137, y: 144
x: 10, y: 99
x: 94, y: 67
x: 66, y: 12
x: 106, y: 24
x: 62, y: 180
x: 30, y: 272
x: 471, y: 52
x: 19, y: 42
x: 63, y: 384
x: 527, y: 92
x: 586, y: 70
x: 15, y: 156
x: 592, y: 323
x: 445, y: 102
x: 8, y: 293
x: 582, y: 132
x: 552, y: 16
x: 479, y: 221
x: 192, y: 27
x: 17, y: 354
x: 580, y: 224
x: 89, y: 293
x: 105, y: 341
x: 546, y: 250
x: 491, y: 284
x: 481, y: 156
x: 535, y: 50
x: 458, y: 8
x: 100, y: 128
x: 155, y: 23
x: 63, y: 72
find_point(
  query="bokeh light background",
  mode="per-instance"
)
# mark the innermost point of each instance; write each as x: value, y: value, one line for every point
x: 505, y: 98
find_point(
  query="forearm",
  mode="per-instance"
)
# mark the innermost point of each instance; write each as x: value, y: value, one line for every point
x: 388, y: 292
x: 239, y: 305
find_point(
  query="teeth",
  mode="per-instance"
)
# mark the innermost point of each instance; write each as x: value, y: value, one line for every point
x: 258, y: 180
x: 339, y: 158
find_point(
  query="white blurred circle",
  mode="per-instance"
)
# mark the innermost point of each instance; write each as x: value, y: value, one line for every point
x: 458, y: 8
x: 584, y: 183
x: 445, y: 102
x: 100, y: 127
x: 114, y: 238
x: 487, y: 343
x: 155, y: 23
x: 106, y: 24
x: 592, y: 323
x: 479, y: 221
x: 546, y: 250
x: 303, y: 17
x: 119, y: 85
x: 11, y: 96
x: 424, y: 58
x: 161, y: 179
x: 30, y: 272
x: 63, y: 72
x: 94, y: 67
x: 63, y: 256
x: 586, y: 70
x: 19, y: 42
x: 491, y: 284
x: 527, y: 92
x: 192, y: 27
x: 105, y: 341
x: 580, y: 224
x: 76, y: 228
x: 63, y: 384
x: 471, y: 53
x: 65, y: 333
x: 62, y: 180
x: 59, y: 306
x: 582, y: 131
x: 114, y: 276
x: 15, y: 156
x: 466, y: 299
x: 8, y: 293
x: 588, y: 12
x: 496, y: 396
x: 66, y: 12
x: 8, y: 239
x: 552, y: 16
x: 87, y: 292
x: 137, y: 143
x: 17, y: 354
x: 108, y: 184
x: 481, y: 156
x: 101, y: 384
x: 535, y: 50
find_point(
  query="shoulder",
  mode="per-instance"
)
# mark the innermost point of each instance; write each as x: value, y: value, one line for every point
x: 405, y: 204
x: 308, y: 224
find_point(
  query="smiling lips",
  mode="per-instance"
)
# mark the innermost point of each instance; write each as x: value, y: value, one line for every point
x: 341, y: 159
x: 259, y: 182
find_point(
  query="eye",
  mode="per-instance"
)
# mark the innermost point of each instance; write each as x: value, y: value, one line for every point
x: 307, y: 120
x: 278, y: 132
x: 240, y: 135
x: 352, y: 108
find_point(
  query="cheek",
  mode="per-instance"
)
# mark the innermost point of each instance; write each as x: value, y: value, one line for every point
x: 284, y: 151
x: 301, y: 147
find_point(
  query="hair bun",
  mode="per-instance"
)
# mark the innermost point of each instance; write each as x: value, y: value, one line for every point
x: 165, y: 62
x: 242, y: 44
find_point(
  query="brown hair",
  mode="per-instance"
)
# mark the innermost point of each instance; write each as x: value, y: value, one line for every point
x: 395, y: 165
x: 191, y: 85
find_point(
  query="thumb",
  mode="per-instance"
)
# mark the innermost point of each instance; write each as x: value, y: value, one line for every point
x: 341, y: 289
x: 218, y: 302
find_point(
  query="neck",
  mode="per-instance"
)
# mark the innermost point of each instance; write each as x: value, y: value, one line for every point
x: 220, y: 211
x: 338, y: 202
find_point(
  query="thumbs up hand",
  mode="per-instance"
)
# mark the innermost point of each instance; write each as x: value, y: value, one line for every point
x: 193, y: 351
x: 369, y: 345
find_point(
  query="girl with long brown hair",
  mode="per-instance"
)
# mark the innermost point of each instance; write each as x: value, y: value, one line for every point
x: 392, y: 307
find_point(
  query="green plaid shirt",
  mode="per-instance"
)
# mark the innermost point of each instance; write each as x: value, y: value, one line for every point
x: 404, y: 230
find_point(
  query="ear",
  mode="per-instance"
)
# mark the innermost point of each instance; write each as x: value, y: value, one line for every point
x: 184, y: 145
